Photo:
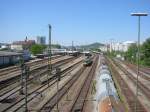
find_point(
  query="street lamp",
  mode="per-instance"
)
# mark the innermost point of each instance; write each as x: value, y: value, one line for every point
x: 49, y: 55
x: 138, y: 53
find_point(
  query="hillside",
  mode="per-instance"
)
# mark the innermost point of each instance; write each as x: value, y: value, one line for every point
x: 92, y: 46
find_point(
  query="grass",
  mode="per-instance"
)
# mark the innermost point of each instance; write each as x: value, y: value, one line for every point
x: 93, y: 91
x: 118, y: 88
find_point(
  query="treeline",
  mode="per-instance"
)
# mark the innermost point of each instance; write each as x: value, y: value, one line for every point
x: 39, y: 48
x: 131, y: 54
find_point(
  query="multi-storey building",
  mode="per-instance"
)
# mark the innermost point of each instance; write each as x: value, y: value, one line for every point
x: 41, y: 40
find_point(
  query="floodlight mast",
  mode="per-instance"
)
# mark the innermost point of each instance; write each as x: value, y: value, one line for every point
x: 138, y: 53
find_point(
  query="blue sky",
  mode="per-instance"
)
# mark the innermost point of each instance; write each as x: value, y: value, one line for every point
x: 83, y: 21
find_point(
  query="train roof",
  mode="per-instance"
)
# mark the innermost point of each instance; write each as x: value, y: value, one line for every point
x: 72, y: 51
x: 6, y: 53
x: 105, y: 87
x: 109, y: 104
x: 104, y: 71
x: 103, y: 67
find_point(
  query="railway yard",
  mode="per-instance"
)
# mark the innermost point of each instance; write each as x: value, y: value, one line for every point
x: 69, y: 84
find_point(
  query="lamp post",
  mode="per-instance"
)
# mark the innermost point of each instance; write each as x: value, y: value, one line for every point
x: 138, y: 53
x: 49, y: 55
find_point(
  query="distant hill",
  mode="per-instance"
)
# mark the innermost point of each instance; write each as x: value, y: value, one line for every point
x: 92, y: 46
x: 86, y: 47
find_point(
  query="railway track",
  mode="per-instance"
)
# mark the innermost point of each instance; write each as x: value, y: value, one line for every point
x: 13, y: 90
x: 133, y: 68
x: 31, y: 95
x: 15, y: 76
x: 81, y: 97
x: 143, y: 87
x: 124, y: 87
x: 17, y: 70
x: 144, y: 72
x: 11, y: 69
x: 49, y: 106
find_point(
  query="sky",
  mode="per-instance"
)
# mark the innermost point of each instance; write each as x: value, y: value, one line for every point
x: 81, y: 21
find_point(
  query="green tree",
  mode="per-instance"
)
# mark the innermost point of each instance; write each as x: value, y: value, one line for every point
x: 111, y: 54
x: 130, y: 55
x: 37, y: 49
x: 56, y: 46
x: 95, y: 49
x: 145, y: 50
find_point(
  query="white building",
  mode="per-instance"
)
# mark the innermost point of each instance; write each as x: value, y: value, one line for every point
x: 127, y: 44
x: 104, y: 48
x: 3, y: 45
x: 121, y: 46
x: 16, y: 47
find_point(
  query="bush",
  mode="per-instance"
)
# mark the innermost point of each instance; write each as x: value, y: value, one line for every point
x: 37, y: 49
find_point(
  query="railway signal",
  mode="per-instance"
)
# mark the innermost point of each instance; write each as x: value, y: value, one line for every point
x: 58, y: 71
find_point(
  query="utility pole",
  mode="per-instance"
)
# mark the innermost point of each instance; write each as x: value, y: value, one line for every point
x: 72, y: 46
x: 22, y: 74
x: 58, y: 75
x: 26, y: 92
x: 49, y: 55
x: 23, y: 80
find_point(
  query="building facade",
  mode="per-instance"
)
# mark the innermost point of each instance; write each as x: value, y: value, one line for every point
x: 22, y: 45
x: 41, y: 40
x: 104, y: 48
x: 121, y: 46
